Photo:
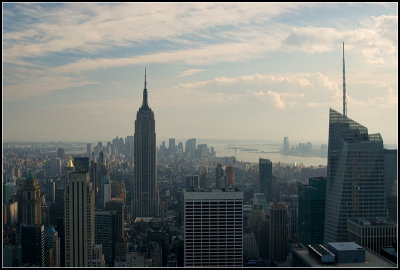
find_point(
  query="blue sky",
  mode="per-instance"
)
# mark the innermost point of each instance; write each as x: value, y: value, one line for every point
x: 263, y: 71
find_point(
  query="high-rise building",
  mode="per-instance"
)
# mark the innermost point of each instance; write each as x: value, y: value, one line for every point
x: 192, y: 181
x: 81, y: 164
x: 79, y: 217
x: 355, y: 185
x: 265, y: 167
x: 278, y: 234
x: 172, y: 146
x: 106, y: 226
x: 220, y: 180
x: 230, y: 175
x: 190, y: 147
x: 285, y: 145
x: 89, y: 149
x: 52, y: 242
x: 390, y: 164
x: 31, y: 207
x: 32, y: 240
x: 213, y: 227
x: 145, y: 198
x: 311, y: 219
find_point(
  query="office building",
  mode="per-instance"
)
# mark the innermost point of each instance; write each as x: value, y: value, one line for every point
x: 278, y: 234
x: 190, y: 147
x: 106, y: 227
x: 265, y: 169
x: 32, y: 241
x: 372, y: 233
x: 230, y: 176
x: 52, y: 247
x: 79, y: 217
x: 145, y: 197
x: 81, y: 164
x: 192, y: 181
x: 312, y: 211
x: 213, y: 228
x: 355, y: 185
x: 31, y: 207
x: 285, y: 145
x: 220, y: 180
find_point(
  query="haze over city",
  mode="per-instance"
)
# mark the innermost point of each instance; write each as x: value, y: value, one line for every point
x: 260, y: 71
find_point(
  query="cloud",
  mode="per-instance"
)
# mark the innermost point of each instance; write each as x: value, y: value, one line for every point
x: 40, y: 87
x: 189, y: 72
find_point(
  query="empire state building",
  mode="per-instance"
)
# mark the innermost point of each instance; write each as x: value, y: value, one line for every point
x: 145, y: 193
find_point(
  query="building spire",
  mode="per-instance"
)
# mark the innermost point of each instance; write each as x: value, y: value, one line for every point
x: 344, y: 88
x: 144, y: 104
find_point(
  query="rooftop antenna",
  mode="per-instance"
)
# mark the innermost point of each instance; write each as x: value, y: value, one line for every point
x: 144, y: 77
x: 344, y: 88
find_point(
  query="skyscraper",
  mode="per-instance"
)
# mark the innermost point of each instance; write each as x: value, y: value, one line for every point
x: 79, y: 221
x: 145, y: 196
x: 213, y: 222
x: 278, y: 234
x: 31, y: 207
x: 312, y: 211
x: 32, y: 240
x: 355, y: 184
x: 265, y: 167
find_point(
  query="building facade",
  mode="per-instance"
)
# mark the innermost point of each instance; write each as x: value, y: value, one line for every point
x: 213, y: 228
x: 79, y: 221
x: 31, y: 206
x: 278, y: 234
x: 372, y: 233
x: 311, y: 220
x: 265, y: 167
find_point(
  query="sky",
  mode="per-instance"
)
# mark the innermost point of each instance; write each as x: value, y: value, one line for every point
x: 254, y: 71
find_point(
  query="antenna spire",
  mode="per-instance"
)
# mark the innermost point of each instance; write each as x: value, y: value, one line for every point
x: 344, y: 87
x: 145, y: 104
x: 145, y: 78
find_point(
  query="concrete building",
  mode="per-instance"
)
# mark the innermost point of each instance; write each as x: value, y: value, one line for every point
x: 278, y: 234
x: 31, y: 206
x: 372, y: 233
x: 79, y: 221
x: 265, y: 168
x: 213, y: 228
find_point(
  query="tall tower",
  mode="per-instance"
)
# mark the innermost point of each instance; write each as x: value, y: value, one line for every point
x: 145, y: 195
x: 31, y: 208
x: 344, y: 88
x: 278, y: 233
x: 265, y: 167
x: 79, y: 221
x: 355, y: 185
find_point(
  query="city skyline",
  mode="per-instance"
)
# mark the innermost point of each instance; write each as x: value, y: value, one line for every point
x: 74, y: 72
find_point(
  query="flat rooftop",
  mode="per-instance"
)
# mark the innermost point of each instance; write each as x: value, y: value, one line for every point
x: 371, y: 260
x: 345, y: 246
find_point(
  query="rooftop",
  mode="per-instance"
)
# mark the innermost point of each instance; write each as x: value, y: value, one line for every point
x: 371, y: 260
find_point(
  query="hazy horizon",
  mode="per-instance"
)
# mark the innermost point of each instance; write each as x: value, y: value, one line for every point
x: 223, y: 71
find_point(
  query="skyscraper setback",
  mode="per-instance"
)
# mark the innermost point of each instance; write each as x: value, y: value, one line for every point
x: 145, y: 195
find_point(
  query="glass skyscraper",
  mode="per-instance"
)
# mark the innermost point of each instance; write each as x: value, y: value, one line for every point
x: 355, y: 176
x: 312, y: 211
